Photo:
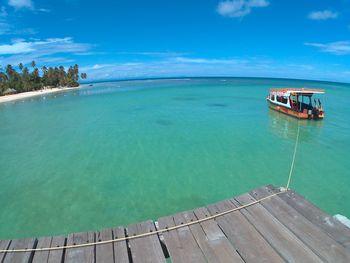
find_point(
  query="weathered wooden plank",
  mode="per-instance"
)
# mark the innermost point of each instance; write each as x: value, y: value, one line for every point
x: 327, y: 223
x: 20, y: 257
x: 145, y: 249
x: 104, y: 252
x: 56, y: 256
x: 210, y: 227
x: 284, y: 228
x: 210, y: 238
x: 245, y: 238
x: 187, y: 238
x: 281, y: 238
x: 4, y: 244
x: 42, y: 256
x: 82, y: 254
x: 172, y: 241
x: 120, y: 248
x: 181, y: 245
x: 310, y: 234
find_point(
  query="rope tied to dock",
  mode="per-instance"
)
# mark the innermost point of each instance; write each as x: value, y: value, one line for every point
x: 159, y: 231
x: 144, y: 234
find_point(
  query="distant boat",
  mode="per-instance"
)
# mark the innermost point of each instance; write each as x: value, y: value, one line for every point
x: 297, y: 102
x: 91, y: 85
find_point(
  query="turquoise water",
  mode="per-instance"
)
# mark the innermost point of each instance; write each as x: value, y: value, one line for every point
x: 123, y: 152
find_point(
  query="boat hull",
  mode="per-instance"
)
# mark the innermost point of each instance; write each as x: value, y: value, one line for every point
x: 293, y: 113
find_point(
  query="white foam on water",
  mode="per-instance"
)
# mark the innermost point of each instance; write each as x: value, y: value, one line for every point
x: 343, y: 219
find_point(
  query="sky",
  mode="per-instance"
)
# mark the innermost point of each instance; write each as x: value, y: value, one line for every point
x: 306, y: 39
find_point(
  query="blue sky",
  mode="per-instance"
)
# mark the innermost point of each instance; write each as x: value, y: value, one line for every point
x: 307, y: 39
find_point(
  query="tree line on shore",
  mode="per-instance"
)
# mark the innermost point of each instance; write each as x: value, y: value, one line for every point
x: 25, y: 80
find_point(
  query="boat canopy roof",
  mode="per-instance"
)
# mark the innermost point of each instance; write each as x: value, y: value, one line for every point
x: 292, y: 91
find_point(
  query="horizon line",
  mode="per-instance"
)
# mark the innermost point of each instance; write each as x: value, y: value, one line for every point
x: 207, y: 77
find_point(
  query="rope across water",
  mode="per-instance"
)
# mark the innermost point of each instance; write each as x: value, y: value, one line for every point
x: 294, y: 155
x: 173, y: 227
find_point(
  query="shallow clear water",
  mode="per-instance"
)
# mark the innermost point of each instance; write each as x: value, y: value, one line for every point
x: 123, y: 152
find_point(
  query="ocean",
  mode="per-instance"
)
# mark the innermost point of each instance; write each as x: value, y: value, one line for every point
x: 117, y: 153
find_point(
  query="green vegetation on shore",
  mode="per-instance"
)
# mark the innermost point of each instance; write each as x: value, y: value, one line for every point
x: 12, y: 81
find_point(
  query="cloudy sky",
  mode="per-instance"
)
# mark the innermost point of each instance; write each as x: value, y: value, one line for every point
x: 307, y: 39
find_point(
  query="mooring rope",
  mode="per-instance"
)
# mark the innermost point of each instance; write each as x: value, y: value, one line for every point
x: 159, y: 231
x: 294, y: 155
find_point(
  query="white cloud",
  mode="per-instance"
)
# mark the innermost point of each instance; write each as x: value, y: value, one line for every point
x: 207, y: 61
x: 16, y: 48
x: 337, y: 48
x: 194, y: 67
x: 97, y: 66
x: 8, y: 29
x: 44, y: 10
x: 322, y: 15
x: 18, y: 4
x: 153, y: 53
x: 26, y: 4
x: 50, y: 46
x: 176, y: 66
x: 239, y: 8
x: 41, y: 50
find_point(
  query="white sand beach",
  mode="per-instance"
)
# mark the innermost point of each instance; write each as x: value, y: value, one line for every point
x: 29, y: 94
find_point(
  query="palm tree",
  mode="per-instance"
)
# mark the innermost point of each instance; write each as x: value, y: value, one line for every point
x: 75, y: 72
x: 26, y: 79
x: 61, y: 75
x: 45, y: 76
x: 3, y: 82
x: 3, y: 78
x: 9, y: 70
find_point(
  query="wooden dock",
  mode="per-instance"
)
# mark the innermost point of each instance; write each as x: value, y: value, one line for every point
x: 283, y: 228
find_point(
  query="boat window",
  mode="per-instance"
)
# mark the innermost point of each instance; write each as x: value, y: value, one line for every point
x: 284, y: 100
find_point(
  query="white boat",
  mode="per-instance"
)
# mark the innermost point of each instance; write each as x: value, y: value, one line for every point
x: 297, y: 102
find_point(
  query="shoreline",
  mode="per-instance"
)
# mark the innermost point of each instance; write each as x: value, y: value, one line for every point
x: 24, y: 95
